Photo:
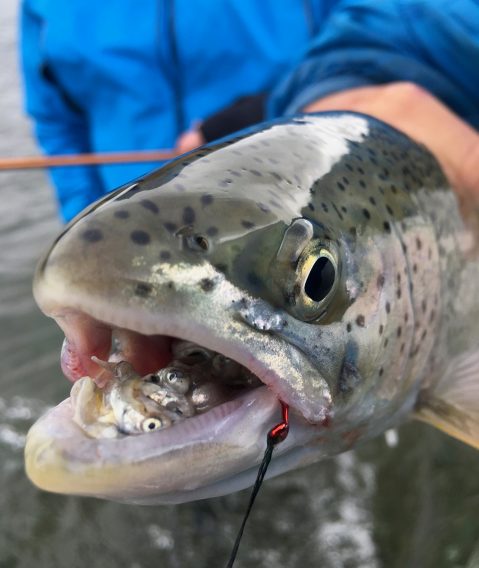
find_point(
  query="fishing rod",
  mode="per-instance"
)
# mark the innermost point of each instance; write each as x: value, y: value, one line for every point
x: 93, y: 159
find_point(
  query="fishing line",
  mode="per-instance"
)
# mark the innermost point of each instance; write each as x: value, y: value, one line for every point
x: 276, y: 435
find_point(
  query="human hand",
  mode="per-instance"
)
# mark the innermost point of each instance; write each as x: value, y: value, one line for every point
x: 189, y: 140
x: 420, y: 115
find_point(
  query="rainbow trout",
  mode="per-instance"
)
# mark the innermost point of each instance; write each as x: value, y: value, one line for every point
x: 323, y: 261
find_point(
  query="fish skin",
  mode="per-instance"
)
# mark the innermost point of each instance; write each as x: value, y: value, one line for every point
x: 209, y: 246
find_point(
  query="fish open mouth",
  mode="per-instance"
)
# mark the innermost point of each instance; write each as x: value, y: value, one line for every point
x: 222, y: 439
x: 173, y: 379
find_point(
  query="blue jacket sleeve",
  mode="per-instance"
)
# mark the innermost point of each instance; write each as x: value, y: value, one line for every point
x: 59, y: 127
x: 434, y: 43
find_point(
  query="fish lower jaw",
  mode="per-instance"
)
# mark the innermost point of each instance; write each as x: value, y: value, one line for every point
x: 167, y: 466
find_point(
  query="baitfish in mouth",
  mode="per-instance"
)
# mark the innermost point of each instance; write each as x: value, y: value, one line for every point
x: 195, y: 381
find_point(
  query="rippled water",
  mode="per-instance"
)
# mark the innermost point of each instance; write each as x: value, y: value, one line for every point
x: 410, y: 500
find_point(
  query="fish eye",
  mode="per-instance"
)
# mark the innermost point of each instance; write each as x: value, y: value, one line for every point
x: 316, y: 280
x: 150, y: 424
x: 320, y: 279
x: 178, y: 381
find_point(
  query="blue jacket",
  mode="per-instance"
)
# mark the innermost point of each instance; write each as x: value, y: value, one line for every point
x: 434, y: 43
x: 102, y: 78
x: 124, y: 75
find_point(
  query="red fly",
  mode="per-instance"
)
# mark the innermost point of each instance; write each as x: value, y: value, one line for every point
x: 275, y: 436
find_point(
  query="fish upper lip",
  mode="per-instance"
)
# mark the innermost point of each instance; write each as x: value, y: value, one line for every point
x: 89, y: 336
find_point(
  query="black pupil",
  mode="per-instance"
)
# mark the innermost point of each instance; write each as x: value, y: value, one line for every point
x: 320, y: 280
x: 151, y: 425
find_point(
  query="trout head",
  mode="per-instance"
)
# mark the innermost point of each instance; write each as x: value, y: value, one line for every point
x: 279, y: 249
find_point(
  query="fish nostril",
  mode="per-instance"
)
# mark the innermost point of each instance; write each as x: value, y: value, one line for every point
x: 193, y: 241
x: 201, y: 242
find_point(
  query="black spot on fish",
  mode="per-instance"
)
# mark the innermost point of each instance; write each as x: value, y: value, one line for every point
x: 424, y: 306
x: 399, y: 331
x: 360, y: 170
x: 372, y: 200
x: 362, y: 183
x: 341, y: 186
x: 349, y: 327
x: 388, y: 307
x: 92, y: 235
x: 165, y: 255
x: 225, y: 182
x: 381, y: 372
x: 212, y: 231
x: 179, y: 187
x: 389, y: 210
x: 380, y: 281
x: 206, y: 199
x: 381, y: 329
x: 256, y: 173
x: 360, y: 321
x: 344, y: 209
x: 143, y: 289
x: 311, y: 206
x: 121, y: 214
x: 366, y: 214
x: 345, y: 180
x: 207, y: 284
x: 247, y: 224
x: 140, y: 237
x: 324, y: 207
x: 387, y: 226
x: 235, y: 173
x: 418, y: 243
x: 189, y: 215
x: 148, y: 204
